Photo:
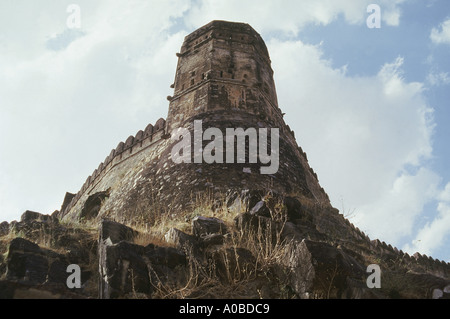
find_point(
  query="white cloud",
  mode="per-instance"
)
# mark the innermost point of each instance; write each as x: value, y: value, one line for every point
x: 433, y: 235
x: 441, y: 34
x: 437, y: 79
x: 62, y: 111
x: 445, y: 194
x: 393, y: 215
x: 391, y: 13
x: 290, y: 16
x: 361, y: 134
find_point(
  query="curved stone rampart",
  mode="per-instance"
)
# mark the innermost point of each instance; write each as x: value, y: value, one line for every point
x: 124, y: 150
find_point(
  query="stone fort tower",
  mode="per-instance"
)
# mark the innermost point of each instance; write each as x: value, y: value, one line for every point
x: 224, y: 78
x: 224, y: 66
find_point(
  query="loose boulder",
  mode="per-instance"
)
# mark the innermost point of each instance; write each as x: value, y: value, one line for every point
x: 30, y: 216
x: 128, y: 270
x: 203, y: 226
x: 122, y: 270
x: 4, y: 228
x: 316, y: 268
x: 180, y: 239
x: 261, y: 209
x: 115, y: 232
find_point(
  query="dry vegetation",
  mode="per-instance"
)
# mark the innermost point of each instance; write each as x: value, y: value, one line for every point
x: 232, y: 276
x: 224, y: 273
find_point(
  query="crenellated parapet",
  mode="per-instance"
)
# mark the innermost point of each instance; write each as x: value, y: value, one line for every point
x: 124, y: 150
x: 418, y: 262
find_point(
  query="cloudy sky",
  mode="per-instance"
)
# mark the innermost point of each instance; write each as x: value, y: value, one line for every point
x: 370, y: 106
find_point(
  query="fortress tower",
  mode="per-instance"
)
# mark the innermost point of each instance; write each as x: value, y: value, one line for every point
x: 223, y: 78
x: 224, y: 66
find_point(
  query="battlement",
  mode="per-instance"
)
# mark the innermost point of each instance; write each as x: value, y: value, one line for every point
x: 124, y: 150
x: 227, y: 31
x: 416, y: 262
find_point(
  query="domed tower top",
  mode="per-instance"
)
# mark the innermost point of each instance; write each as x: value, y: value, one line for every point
x: 223, y: 65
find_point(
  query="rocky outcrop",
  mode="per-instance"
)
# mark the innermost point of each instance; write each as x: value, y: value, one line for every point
x: 291, y: 252
x: 127, y: 269
x: 320, y: 270
x: 203, y: 226
x: 30, y: 268
x: 4, y: 228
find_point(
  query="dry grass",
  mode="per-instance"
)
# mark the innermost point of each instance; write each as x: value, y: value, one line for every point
x: 202, y: 278
x: 238, y: 279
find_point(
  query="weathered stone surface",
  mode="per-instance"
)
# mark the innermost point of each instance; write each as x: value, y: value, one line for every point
x: 318, y: 268
x: 57, y: 272
x: 23, y: 245
x: 260, y: 209
x: 129, y: 269
x: 27, y: 267
x: 117, y: 259
x: 357, y: 289
x: 252, y: 225
x: 232, y: 264
x: 27, y: 262
x: 212, y: 240
x: 243, y: 200
x: 294, y: 208
x: 291, y: 232
x: 166, y: 265
x: 77, y: 243
x: 167, y: 256
x: 202, y: 226
x: 93, y: 204
x: 115, y: 232
x: 122, y: 270
x: 182, y: 240
x: 4, y: 228
x: 30, y: 216
x: 67, y: 199
x: 437, y: 294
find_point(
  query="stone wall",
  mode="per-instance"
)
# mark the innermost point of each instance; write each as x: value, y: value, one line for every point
x: 121, y: 159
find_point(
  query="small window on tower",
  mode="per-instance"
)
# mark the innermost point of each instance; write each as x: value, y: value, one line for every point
x: 192, y: 82
x: 203, y: 76
x: 221, y: 74
x: 193, y: 73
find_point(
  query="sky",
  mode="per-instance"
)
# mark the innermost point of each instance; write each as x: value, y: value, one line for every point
x: 369, y: 105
